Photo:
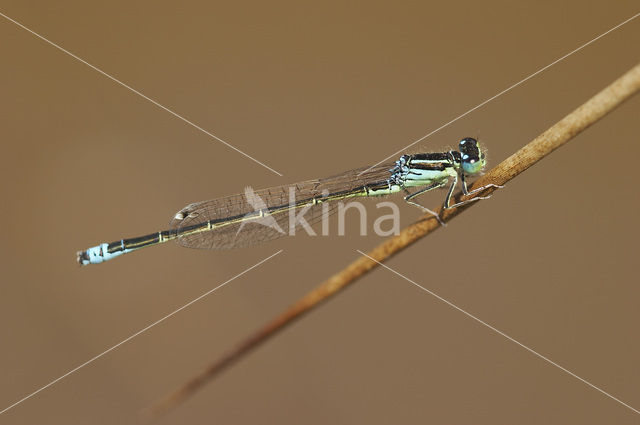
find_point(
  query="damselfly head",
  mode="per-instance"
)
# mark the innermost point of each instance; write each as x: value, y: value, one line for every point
x: 471, y: 155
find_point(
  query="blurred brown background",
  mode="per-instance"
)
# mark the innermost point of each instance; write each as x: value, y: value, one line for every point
x: 312, y: 89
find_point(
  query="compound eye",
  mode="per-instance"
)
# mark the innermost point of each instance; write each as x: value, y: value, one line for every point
x: 472, y: 166
x: 467, y: 143
x: 469, y: 148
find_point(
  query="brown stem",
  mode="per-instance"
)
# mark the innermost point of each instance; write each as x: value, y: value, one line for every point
x: 563, y: 131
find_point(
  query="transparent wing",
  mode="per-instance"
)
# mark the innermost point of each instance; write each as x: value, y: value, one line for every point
x: 257, y: 216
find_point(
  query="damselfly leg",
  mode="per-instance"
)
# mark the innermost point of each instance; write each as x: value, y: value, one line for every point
x: 410, y: 196
x: 466, y: 192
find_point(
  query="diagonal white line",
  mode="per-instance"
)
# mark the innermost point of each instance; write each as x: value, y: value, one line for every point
x: 501, y: 333
x: 138, y: 333
x: 139, y: 94
x: 502, y: 92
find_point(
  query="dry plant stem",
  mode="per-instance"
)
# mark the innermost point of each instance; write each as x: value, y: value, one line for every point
x: 563, y: 131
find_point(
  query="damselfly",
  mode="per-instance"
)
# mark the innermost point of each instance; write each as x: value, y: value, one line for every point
x: 258, y: 216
